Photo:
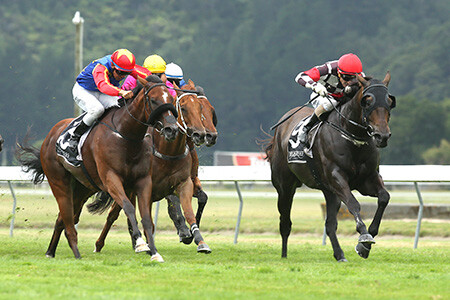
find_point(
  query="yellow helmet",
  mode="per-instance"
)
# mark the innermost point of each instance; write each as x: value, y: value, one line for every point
x: 155, y: 64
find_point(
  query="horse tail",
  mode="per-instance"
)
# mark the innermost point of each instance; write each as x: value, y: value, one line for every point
x: 266, y: 144
x: 101, y: 203
x: 30, y: 159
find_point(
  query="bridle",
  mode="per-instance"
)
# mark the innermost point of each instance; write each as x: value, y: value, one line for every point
x: 183, y: 126
x: 380, y: 95
x: 153, y: 115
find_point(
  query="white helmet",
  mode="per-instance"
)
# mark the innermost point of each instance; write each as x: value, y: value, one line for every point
x: 173, y: 71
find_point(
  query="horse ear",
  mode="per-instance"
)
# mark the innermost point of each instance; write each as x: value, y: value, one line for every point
x: 387, y: 78
x: 362, y: 80
x: 191, y: 83
x: 142, y: 80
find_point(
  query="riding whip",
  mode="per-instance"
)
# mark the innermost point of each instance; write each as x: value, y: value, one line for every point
x: 293, y: 113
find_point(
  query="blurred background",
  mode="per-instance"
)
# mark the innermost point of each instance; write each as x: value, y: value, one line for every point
x: 245, y: 54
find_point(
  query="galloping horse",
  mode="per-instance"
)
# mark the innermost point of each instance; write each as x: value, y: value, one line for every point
x: 172, y: 164
x: 116, y: 156
x: 345, y: 158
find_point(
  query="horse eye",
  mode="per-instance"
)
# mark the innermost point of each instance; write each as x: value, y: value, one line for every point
x: 367, y: 101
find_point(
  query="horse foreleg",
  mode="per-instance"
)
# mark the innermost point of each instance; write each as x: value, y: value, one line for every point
x: 342, y: 190
x: 113, y: 214
x: 115, y: 189
x: 202, y: 199
x: 186, y: 190
x: 333, y: 205
x: 175, y: 213
x: 144, y: 195
x: 383, y: 201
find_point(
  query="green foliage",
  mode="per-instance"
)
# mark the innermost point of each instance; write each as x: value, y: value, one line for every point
x: 245, y: 54
x: 438, y: 155
x: 415, y: 126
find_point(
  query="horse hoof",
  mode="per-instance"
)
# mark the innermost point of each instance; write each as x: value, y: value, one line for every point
x: 49, y: 255
x: 157, y: 258
x: 141, y: 246
x: 362, y: 250
x: 187, y: 240
x: 203, y: 248
x: 342, y: 260
x: 366, y: 238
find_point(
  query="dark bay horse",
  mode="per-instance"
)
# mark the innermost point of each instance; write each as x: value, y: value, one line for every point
x: 345, y: 158
x: 171, y: 166
x: 117, y: 160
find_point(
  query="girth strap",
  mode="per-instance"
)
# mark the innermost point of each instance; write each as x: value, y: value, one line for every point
x: 89, y: 178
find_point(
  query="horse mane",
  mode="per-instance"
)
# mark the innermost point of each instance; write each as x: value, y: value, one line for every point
x: 200, y: 90
x: 153, y: 79
x: 139, y: 86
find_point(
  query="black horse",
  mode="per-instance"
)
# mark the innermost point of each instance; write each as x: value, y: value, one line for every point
x: 345, y: 158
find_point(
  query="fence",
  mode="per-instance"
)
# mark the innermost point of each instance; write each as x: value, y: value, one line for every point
x: 413, y: 174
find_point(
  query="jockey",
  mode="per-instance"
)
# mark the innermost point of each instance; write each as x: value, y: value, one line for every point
x: 97, y: 88
x: 153, y: 65
x: 175, y: 74
x: 328, y: 82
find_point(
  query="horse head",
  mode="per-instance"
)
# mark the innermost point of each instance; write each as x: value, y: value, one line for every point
x: 209, y: 118
x: 376, y: 104
x: 189, y: 113
x: 159, y: 111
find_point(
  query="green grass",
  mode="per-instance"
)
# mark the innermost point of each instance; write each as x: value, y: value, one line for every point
x: 260, y: 214
x: 252, y: 269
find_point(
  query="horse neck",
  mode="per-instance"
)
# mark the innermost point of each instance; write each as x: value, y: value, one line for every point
x: 352, y: 110
x: 131, y: 122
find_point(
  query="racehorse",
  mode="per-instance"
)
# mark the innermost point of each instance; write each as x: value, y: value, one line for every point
x: 116, y: 159
x: 209, y: 120
x: 172, y: 164
x: 345, y: 158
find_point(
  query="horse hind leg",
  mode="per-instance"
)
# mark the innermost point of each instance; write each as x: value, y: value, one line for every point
x: 286, y: 192
x: 113, y: 214
x: 59, y: 227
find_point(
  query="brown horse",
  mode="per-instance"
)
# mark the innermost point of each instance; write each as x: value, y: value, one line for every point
x: 345, y: 158
x: 209, y: 120
x: 172, y: 164
x: 116, y: 156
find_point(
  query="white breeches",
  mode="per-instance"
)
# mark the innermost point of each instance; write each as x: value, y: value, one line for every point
x: 93, y: 103
x: 327, y: 103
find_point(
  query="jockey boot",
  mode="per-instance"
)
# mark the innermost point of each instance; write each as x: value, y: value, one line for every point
x: 75, y: 138
x: 303, y: 136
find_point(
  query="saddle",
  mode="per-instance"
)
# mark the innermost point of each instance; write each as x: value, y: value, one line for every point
x: 62, y: 145
x: 299, y: 152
